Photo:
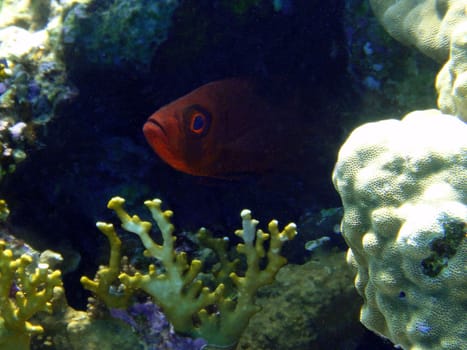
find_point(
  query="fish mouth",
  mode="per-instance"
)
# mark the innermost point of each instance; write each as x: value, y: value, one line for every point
x: 159, y: 125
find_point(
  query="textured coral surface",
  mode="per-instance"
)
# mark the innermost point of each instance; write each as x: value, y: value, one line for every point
x: 404, y: 189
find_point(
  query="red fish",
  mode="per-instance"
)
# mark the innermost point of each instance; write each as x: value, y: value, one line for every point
x: 221, y: 129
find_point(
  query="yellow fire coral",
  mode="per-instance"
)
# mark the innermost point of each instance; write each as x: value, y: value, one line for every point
x: 218, y: 314
x: 24, y: 291
x: 103, y: 285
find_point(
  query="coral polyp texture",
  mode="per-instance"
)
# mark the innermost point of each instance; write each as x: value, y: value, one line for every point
x: 427, y: 24
x: 451, y: 81
x: 403, y: 184
x: 438, y: 28
x: 214, y: 305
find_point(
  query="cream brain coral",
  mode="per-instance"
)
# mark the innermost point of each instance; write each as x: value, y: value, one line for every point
x: 403, y: 185
x: 451, y: 81
x: 426, y: 24
x: 438, y: 28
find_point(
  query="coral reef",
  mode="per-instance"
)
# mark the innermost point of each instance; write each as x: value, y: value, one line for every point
x: 108, y: 334
x: 402, y: 184
x: 150, y: 324
x: 403, y: 187
x: 404, y: 20
x: 140, y: 326
x: 118, y: 34
x: 217, y: 306
x: 388, y: 75
x: 30, y: 286
x: 438, y: 29
x: 313, y: 305
x: 69, y: 329
x: 102, y: 284
x: 451, y: 81
x: 33, y: 80
x: 108, y: 47
x: 26, y: 288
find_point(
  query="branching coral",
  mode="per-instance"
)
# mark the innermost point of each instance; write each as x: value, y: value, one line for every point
x: 24, y: 291
x: 218, y: 314
x: 103, y: 285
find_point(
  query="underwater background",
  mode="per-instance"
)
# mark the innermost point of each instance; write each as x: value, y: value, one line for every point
x: 73, y: 102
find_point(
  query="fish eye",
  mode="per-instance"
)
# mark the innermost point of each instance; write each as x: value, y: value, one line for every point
x: 197, y: 120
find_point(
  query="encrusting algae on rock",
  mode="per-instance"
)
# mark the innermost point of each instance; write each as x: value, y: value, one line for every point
x: 34, y: 84
x: 218, y: 313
